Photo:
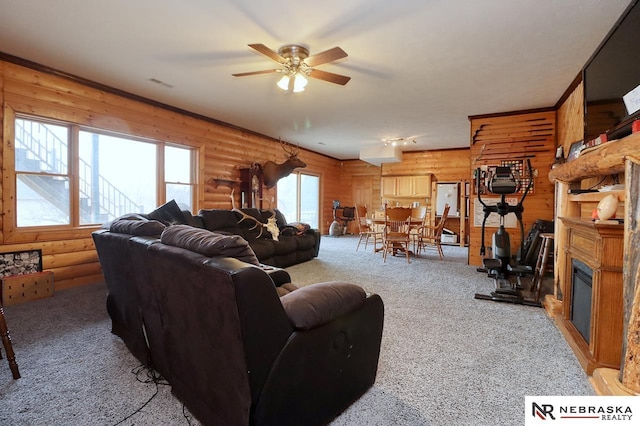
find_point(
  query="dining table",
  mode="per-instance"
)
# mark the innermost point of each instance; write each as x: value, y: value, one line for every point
x: 413, y: 222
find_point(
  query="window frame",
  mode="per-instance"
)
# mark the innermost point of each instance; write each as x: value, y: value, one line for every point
x: 74, y: 230
x: 298, y: 174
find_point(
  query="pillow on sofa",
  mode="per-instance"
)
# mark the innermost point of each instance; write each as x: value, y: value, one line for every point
x: 208, y: 243
x: 318, y: 304
x: 140, y: 227
x: 169, y: 213
x: 295, y: 228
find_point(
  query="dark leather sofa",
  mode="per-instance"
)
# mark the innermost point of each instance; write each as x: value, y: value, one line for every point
x: 233, y: 350
x: 294, y: 245
x: 296, y: 242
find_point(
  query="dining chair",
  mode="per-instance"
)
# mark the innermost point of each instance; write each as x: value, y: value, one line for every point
x: 395, y: 234
x: 366, y: 230
x: 429, y: 236
x: 419, y: 217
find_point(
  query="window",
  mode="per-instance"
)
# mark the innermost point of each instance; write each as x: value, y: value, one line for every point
x: 299, y: 198
x: 179, y: 176
x: 111, y: 175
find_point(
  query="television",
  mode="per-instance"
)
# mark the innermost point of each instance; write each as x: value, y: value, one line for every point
x: 612, y: 79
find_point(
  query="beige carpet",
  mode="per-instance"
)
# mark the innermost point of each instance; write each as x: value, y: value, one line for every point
x: 446, y: 358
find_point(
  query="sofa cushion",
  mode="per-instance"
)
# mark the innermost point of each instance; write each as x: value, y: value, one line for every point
x: 318, y: 304
x: 169, y: 213
x: 139, y: 227
x: 286, y: 245
x: 306, y: 241
x: 219, y: 220
x: 286, y: 289
x: 208, y: 243
x: 264, y: 249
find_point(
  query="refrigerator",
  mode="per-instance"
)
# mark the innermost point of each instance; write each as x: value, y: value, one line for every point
x: 447, y: 193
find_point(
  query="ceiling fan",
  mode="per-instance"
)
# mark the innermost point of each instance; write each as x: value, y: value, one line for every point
x: 297, y: 64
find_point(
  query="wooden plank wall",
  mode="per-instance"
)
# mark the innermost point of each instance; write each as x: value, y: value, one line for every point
x: 570, y: 129
x: 512, y: 137
x: 570, y: 119
x: 74, y: 261
x: 449, y: 165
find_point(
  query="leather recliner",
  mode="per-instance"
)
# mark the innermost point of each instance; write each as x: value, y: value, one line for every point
x: 234, y: 351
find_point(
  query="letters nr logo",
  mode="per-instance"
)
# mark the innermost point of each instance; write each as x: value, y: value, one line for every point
x: 542, y: 411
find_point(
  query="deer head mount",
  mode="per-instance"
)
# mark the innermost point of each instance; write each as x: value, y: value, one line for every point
x: 272, y: 172
x: 271, y: 225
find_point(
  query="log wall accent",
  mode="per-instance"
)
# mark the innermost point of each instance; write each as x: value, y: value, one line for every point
x: 570, y: 119
x: 514, y: 137
x: 570, y: 129
x: 223, y: 152
x: 630, y: 368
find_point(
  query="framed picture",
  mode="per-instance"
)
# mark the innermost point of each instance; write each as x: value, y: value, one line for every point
x: 575, y: 150
x: 20, y: 263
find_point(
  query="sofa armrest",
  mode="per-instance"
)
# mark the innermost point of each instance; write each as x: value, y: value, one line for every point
x: 318, y: 304
x: 278, y: 275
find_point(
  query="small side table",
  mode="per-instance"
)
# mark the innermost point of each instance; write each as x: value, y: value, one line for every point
x: 6, y: 342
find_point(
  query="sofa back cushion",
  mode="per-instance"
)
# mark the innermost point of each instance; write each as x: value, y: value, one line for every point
x: 141, y: 227
x: 208, y: 243
x: 219, y: 220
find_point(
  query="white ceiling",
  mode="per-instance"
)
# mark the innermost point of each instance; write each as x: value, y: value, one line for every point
x: 419, y: 68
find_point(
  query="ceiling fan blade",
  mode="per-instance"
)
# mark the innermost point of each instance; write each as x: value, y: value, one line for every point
x: 268, y: 52
x: 244, y: 74
x: 329, y: 76
x: 326, y: 56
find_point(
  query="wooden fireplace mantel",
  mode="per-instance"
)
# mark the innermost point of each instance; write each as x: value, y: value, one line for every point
x: 606, y: 159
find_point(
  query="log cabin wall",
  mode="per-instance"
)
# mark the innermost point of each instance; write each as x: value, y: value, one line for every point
x: 517, y: 136
x: 570, y: 129
x: 223, y: 151
x: 447, y: 165
x: 451, y: 165
x: 570, y: 119
x: 356, y: 175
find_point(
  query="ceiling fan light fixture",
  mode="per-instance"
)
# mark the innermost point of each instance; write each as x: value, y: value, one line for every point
x: 283, y: 83
x: 299, y: 83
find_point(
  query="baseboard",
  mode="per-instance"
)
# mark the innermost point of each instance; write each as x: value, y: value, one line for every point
x: 605, y: 382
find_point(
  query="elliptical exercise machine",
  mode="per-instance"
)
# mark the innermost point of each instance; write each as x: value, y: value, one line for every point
x: 502, y: 181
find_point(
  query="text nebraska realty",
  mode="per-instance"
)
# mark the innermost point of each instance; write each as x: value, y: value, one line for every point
x: 609, y: 412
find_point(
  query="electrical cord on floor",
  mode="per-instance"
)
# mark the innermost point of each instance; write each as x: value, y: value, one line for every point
x: 187, y: 415
x: 145, y: 374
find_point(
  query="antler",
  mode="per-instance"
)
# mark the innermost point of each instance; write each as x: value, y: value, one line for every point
x: 272, y: 222
x: 273, y: 212
x: 249, y: 217
x: 233, y: 200
x: 289, y: 149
